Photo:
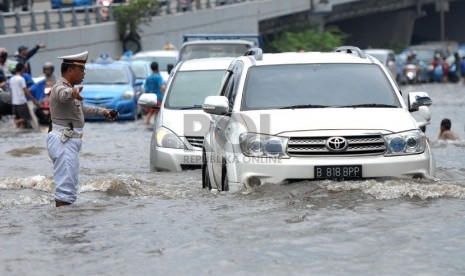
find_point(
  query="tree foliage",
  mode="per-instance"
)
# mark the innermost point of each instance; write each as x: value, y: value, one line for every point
x: 136, y: 12
x: 308, y: 40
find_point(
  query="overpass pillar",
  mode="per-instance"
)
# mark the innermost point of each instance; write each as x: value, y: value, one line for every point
x: 382, y: 30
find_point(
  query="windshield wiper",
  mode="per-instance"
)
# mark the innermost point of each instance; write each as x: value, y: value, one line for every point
x: 196, y: 106
x: 370, y: 105
x: 303, y: 106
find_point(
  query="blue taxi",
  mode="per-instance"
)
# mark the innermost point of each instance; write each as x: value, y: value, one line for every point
x: 58, y: 4
x: 112, y: 85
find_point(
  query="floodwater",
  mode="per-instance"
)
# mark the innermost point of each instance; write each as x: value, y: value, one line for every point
x: 130, y: 221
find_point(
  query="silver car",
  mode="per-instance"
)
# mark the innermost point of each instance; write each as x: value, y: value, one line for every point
x: 181, y: 124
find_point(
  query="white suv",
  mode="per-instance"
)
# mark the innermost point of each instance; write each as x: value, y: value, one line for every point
x: 295, y: 116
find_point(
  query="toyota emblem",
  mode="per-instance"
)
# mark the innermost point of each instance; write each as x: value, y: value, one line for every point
x: 336, y: 144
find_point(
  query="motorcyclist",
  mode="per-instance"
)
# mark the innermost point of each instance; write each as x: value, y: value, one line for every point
x: 412, y: 59
x: 48, y: 68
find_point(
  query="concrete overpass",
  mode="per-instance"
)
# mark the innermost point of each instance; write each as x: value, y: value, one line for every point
x: 376, y: 23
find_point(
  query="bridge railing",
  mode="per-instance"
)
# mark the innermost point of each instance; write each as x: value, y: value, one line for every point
x: 40, y: 20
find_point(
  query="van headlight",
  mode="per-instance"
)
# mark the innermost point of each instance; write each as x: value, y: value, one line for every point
x: 262, y: 145
x: 409, y: 142
x: 128, y: 95
x: 167, y: 139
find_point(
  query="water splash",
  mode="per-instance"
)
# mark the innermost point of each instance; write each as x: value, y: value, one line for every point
x: 119, y: 186
x: 38, y: 182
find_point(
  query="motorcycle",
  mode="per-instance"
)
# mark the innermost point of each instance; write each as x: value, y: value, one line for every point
x: 411, y: 73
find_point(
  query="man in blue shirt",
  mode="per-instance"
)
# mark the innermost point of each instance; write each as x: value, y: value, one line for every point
x: 154, y: 84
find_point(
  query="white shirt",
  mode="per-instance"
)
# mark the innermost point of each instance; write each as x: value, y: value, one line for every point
x: 17, y: 85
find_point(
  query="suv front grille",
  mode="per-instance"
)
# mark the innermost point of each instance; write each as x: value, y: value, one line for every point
x: 358, y: 145
x: 195, y: 141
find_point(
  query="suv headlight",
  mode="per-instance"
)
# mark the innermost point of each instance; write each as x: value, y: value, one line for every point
x: 167, y: 139
x: 262, y: 145
x: 128, y: 95
x: 409, y: 142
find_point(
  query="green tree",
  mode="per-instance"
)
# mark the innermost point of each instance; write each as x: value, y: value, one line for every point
x: 131, y: 16
x: 308, y: 40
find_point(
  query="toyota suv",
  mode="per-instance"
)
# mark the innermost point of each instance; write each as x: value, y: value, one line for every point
x: 312, y: 116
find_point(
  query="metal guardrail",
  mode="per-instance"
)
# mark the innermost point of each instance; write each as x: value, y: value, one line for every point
x: 32, y: 21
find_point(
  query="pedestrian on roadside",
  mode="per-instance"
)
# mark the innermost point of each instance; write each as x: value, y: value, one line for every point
x: 462, y: 69
x: 154, y: 84
x: 64, y: 139
x: 5, y: 62
x: 19, y: 95
x: 445, y: 70
x: 24, y: 54
x: 455, y: 70
x: 445, y: 132
x: 3, y: 81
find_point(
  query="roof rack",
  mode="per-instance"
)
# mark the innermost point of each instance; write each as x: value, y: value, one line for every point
x: 257, y: 53
x: 350, y: 50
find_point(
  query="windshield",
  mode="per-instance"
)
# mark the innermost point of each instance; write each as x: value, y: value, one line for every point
x: 140, y: 70
x: 190, y: 88
x: 162, y: 61
x: 105, y: 76
x: 317, y: 85
x: 212, y: 50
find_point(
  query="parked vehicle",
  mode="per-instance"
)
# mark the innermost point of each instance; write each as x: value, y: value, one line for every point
x: 386, y: 57
x: 10, y: 5
x: 165, y: 59
x: 282, y: 117
x: 58, y: 4
x: 210, y: 45
x: 112, y: 85
x: 177, y: 138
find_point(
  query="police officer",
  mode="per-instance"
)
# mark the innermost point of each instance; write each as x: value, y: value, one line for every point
x: 64, y: 139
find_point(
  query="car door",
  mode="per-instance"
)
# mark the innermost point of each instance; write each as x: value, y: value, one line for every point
x: 221, y: 129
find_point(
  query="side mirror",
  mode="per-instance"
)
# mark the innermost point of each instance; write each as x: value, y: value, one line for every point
x: 148, y: 100
x: 217, y: 105
x: 417, y: 99
x: 424, y: 112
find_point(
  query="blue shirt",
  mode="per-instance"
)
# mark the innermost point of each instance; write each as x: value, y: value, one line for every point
x: 153, y: 84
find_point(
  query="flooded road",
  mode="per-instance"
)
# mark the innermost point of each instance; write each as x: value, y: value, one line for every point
x: 130, y: 221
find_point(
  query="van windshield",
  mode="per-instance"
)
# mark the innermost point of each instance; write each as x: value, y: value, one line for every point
x: 193, y: 51
x: 317, y: 85
x: 189, y: 89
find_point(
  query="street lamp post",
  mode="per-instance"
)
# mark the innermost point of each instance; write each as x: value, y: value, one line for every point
x: 442, y: 6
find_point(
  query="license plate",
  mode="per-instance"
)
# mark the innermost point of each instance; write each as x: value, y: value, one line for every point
x: 338, y: 172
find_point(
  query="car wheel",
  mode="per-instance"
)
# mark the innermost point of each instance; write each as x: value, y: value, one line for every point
x: 131, y: 43
x: 206, y: 184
